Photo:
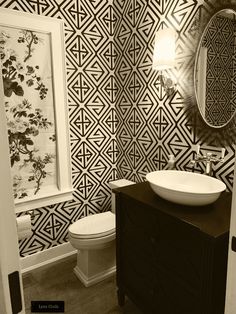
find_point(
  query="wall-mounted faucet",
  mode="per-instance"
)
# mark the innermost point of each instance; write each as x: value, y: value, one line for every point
x: 208, y: 158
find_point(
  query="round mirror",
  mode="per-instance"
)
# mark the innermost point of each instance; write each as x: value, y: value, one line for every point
x: 215, y: 70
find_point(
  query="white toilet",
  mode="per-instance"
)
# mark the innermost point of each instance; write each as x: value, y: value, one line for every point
x: 94, y: 238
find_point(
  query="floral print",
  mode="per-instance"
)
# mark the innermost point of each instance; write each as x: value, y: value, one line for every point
x: 27, y: 83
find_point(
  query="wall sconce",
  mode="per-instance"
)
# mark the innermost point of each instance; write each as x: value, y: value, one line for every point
x: 164, y: 57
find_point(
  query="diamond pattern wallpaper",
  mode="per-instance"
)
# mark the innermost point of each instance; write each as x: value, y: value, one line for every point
x: 122, y: 125
x: 220, y: 101
x: 91, y: 88
x: 152, y: 126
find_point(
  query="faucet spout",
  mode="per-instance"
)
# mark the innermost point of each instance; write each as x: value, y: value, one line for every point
x: 208, y: 170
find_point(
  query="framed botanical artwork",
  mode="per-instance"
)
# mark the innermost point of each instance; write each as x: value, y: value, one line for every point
x: 32, y: 56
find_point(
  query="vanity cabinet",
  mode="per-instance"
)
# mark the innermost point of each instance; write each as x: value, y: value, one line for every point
x: 171, y: 259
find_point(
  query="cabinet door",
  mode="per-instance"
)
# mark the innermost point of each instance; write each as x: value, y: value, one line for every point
x: 178, y: 258
x: 159, y: 259
x: 136, y: 233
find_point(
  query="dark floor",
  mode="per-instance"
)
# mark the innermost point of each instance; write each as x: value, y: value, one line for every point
x: 58, y: 282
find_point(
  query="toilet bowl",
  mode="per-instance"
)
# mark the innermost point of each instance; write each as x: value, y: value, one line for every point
x: 94, y: 238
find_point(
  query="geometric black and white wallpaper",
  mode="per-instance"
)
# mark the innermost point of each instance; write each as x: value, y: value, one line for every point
x: 220, y: 42
x: 122, y: 125
x: 150, y: 125
x: 91, y: 89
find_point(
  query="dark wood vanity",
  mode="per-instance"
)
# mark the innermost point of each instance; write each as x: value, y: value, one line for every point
x: 171, y: 259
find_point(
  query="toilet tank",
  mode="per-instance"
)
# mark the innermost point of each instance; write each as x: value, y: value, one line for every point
x: 117, y: 184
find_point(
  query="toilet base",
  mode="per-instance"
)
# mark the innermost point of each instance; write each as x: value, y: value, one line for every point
x: 93, y: 279
x: 94, y: 266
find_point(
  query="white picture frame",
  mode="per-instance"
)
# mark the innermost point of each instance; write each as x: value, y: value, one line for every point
x: 55, y: 29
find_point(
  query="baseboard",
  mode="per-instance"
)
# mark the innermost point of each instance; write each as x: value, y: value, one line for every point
x: 46, y: 257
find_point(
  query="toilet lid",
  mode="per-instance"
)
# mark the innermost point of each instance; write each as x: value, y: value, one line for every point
x: 93, y: 226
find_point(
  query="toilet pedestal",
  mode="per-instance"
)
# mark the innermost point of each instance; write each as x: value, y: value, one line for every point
x: 96, y: 265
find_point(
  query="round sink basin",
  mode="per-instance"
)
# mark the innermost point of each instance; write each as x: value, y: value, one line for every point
x: 186, y: 188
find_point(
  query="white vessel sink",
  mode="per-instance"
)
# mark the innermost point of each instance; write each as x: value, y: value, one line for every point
x: 186, y: 188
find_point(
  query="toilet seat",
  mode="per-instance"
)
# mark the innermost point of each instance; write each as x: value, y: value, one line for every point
x: 93, y: 226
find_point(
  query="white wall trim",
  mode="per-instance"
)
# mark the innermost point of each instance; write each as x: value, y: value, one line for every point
x: 46, y: 257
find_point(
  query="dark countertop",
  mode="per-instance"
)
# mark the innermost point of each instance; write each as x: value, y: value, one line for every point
x: 213, y: 219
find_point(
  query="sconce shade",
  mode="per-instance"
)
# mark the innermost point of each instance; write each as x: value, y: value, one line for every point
x: 164, y: 49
